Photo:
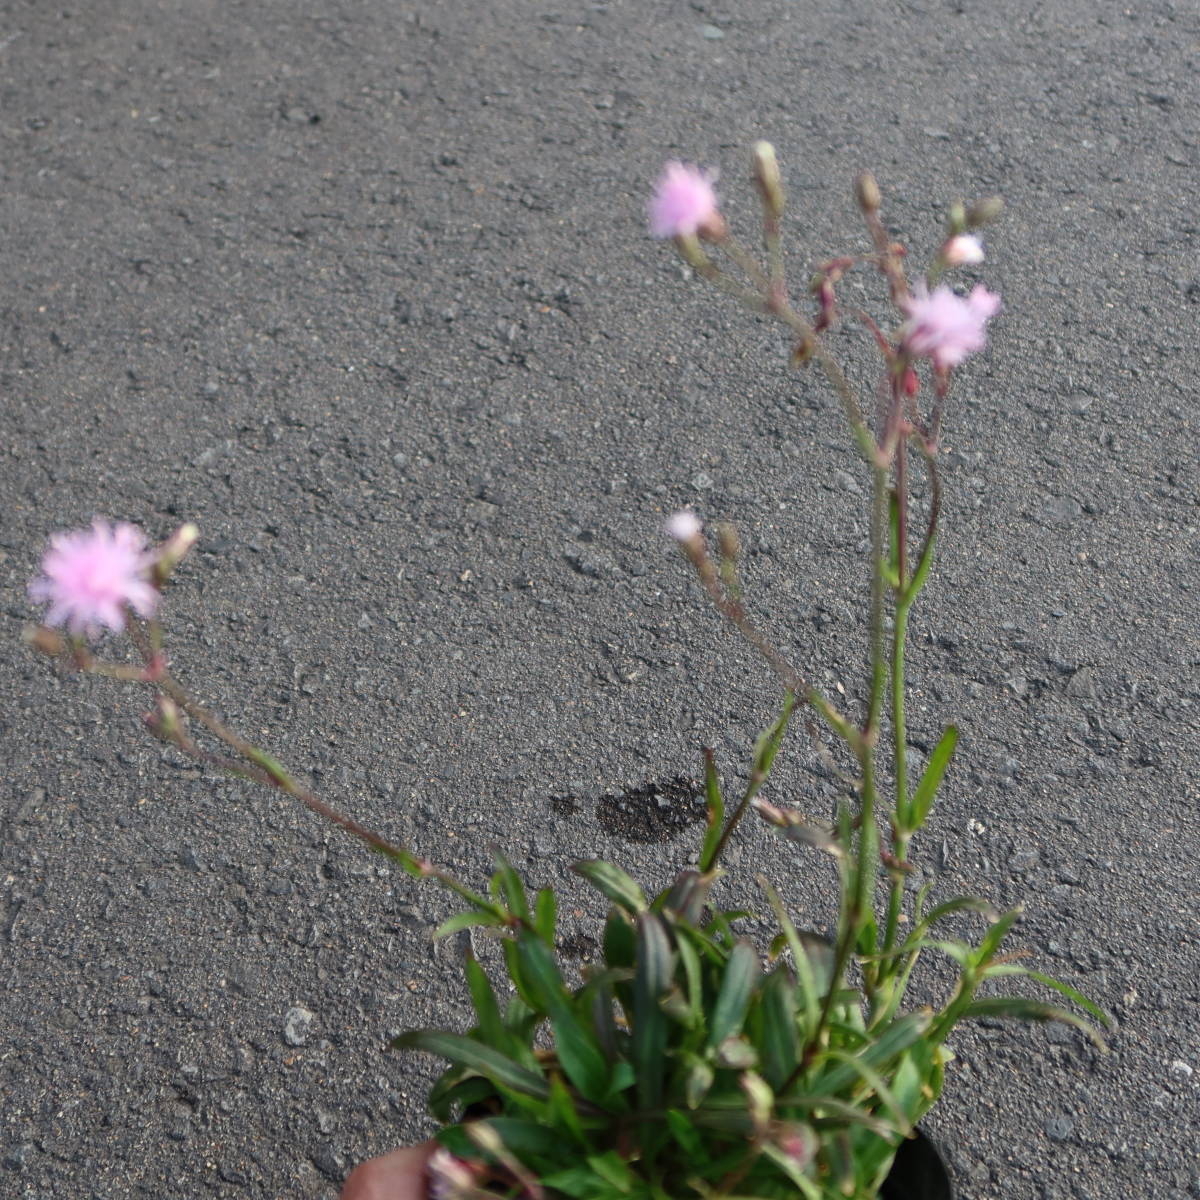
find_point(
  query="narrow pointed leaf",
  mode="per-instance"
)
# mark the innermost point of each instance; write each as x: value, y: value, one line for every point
x: 922, y: 798
x: 465, y: 920
x: 655, y: 968
x: 620, y: 888
x: 484, y: 1060
x: 1019, y: 1008
x: 507, y: 883
x: 545, y: 914
x: 579, y: 1054
x: 779, y: 1041
x: 1071, y: 993
x: 742, y: 973
x: 715, y: 808
x: 889, y: 1045
x: 620, y: 940
x: 487, y: 1011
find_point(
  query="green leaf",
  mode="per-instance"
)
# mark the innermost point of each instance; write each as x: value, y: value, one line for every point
x: 889, y: 1045
x: 452, y: 1095
x: 715, y: 806
x: 524, y: 1138
x: 810, y: 993
x: 507, y: 883
x: 613, y: 1169
x: 1019, y: 1008
x: 487, y: 1011
x: 779, y: 1039
x: 483, y: 1060
x: 768, y: 742
x: 877, y: 1084
x: 562, y: 1113
x: 620, y: 888
x: 1071, y: 993
x: 684, y: 1132
x: 604, y: 1021
x: 465, y: 920
x: 948, y: 908
x: 922, y: 798
x: 655, y: 969
x: 686, y: 897
x: 579, y: 1054
x: 742, y: 973
x: 690, y: 962
x: 620, y: 940
x: 545, y: 913
x: 998, y: 931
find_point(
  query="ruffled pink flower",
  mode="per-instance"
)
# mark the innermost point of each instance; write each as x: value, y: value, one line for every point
x: 684, y: 202
x: 945, y: 327
x: 91, y: 576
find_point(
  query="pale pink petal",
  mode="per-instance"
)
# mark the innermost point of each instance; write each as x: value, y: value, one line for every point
x: 90, y: 577
x: 683, y: 201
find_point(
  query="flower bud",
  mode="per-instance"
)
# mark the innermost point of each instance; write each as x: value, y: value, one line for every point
x: 44, y: 640
x: 984, y: 212
x: 866, y: 192
x: 797, y: 1141
x: 767, y: 179
x: 957, y: 218
x: 728, y: 541
x: 760, y: 1100
x: 172, y: 551
x: 962, y: 249
x: 692, y: 252
x: 165, y: 721
x: 684, y: 526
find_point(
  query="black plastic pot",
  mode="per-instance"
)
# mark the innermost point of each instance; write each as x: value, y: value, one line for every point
x: 918, y: 1173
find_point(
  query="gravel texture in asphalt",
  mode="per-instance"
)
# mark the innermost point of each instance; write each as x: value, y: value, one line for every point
x: 365, y: 290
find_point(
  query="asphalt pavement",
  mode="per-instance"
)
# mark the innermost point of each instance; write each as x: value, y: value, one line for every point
x: 365, y: 290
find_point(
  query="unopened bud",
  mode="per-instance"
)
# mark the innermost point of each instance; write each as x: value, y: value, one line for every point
x: 760, y: 1100
x: 728, y: 541
x: 692, y: 252
x: 961, y: 250
x: 803, y: 351
x: 984, y: 212
x: 767, y: 179
x: 956, y: 218
x: 172, y: 551
x: 165, y: 721
x: 797, y: 1141
x: 44, y: 640
x: 912, y: 384
x: 866, y: 192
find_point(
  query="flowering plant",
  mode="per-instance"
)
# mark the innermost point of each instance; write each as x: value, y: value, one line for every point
x: 691, y: 1061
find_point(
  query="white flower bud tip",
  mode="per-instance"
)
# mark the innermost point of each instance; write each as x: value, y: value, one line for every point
x: 963, y: 249
x: 683, y: 526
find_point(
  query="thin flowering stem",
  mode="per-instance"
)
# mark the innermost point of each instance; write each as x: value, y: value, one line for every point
x: 693, y: 254
x: 736, y: 614
x: 747, y: 262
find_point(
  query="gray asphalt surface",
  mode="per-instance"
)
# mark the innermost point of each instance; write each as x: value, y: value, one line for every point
x: 364, y: 289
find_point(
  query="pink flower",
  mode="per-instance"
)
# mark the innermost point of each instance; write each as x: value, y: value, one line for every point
x: 945, y: 327
x: 91, y: 576
x: 684, y: 202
